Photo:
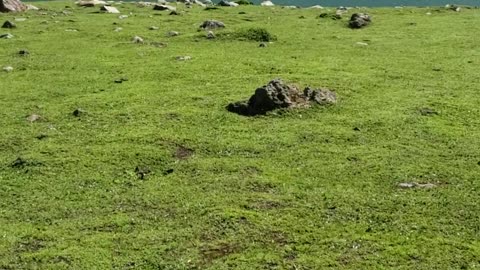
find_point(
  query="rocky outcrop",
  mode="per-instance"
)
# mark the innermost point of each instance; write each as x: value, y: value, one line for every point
x: 12, y: 6
x: 212, y: 24
x: 279, y: 95
x: 359, y: 20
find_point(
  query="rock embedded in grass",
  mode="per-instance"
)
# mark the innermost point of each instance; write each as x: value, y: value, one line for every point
x: 210, y: 35
x: 6, y: 36
x: 225, y: 3
x: 78, y: 112
x: 137, y: 39
x: 212, y: 24
x: 34, y: 118
x: 279, y: 95
x: 359, y: 20
x: 7, y: 69
x: 183, y: 58
x: 409, y: 185
x: 160, y: 7
x: 173, y: 33
x: 23, y: 52
x: 9, y: 24
x: 110, y: 9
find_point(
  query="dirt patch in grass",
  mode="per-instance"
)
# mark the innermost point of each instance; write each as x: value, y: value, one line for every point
x: 216, y: 251
x: 183, y: 152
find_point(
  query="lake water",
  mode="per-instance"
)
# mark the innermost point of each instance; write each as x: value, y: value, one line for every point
x: 373, y: 3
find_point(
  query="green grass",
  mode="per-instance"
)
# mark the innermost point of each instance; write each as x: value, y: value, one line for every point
x: 294, y: 190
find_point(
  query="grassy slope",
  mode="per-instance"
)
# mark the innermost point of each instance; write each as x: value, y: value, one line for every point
x: 300, y: 190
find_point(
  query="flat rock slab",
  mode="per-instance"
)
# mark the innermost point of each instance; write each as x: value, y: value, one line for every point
x: 110, y: 9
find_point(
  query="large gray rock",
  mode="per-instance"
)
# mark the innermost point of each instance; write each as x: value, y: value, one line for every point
x: 212, y: 24
x: 277, y: 95
x: 359, y: 20
x: 12, y: 6
x: 225, y: 3
x: 164, y: 7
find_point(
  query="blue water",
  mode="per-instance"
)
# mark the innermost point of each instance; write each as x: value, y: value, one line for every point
x: 373, y: 3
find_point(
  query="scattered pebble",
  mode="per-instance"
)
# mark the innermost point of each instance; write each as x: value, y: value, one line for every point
x: 121, y: 80
x: 173, y: 33
x: 23, y: 52
x: 415, y: 185
x: 262, y: 45
x: 210, y: 35
x: 33, y: 118
x: 137, y: 39
x: 8, y: 69
x: 78, y: 112
x: 361, y: 43
x: 183, y: 58
x: 121, y: 17
x: 153, y: 28
x: 118, y: 29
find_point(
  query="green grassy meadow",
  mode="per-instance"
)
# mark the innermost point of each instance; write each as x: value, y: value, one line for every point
x: 300, y: 189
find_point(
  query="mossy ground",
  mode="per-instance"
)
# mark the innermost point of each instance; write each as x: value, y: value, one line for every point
x: 302, y: 189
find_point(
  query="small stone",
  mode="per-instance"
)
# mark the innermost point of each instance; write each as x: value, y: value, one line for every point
x: 78, y: 112
x: 262, y: 45
x: 406, y: 185
x: 174, y: 12
x: 23, y: 52
x: 9, y: 24
x: 33, y: 118
x: 173, y: 33
x: 8, y: 69
x: 320, y: 96
x: 121, y: 80
x: 361, y: 43
x: 137, y: 39
x: 183, y: 58
x: 121, y: 17
x: 118, y: 29
x: 20, y: 19
x: 210, y: 35
x: 153, y: 28
x: 6, y: 36
x: 427, y: 111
